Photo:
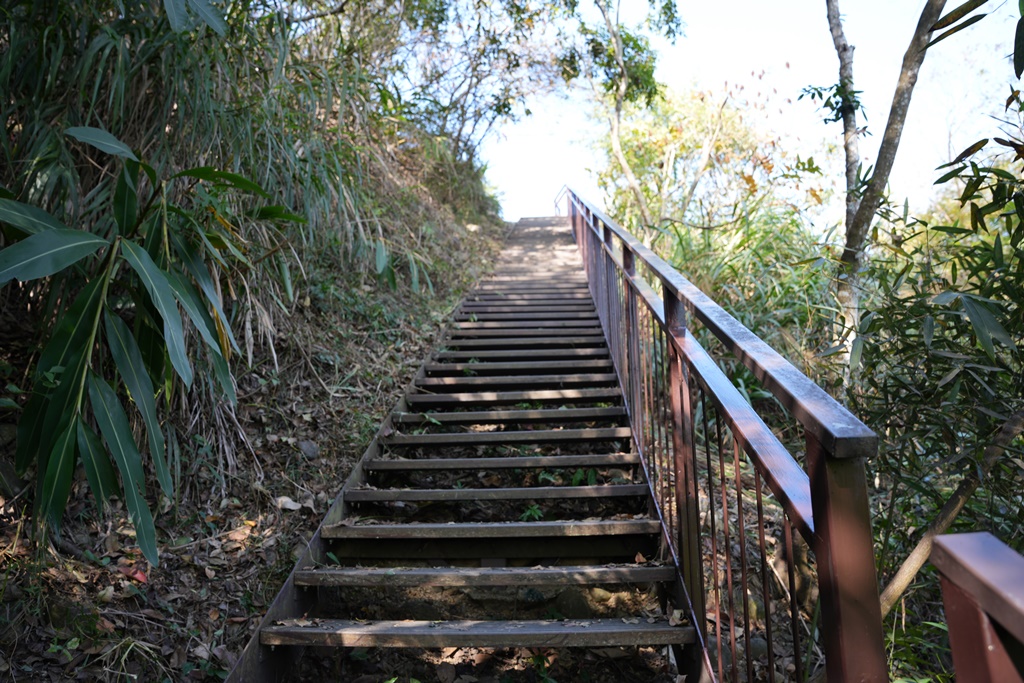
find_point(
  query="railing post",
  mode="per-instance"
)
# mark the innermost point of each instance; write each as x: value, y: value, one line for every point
x: 688, y: 543
x: 983, y: 595
x: 850, y: 611
x: 979, y: 654
x: 632, y: 383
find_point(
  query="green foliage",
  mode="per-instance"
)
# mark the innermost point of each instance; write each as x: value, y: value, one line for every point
x: 637, y: 68
x: 171, y: 172
x: 941, y: 372
x: 533, y: 513
x: 834, y: 99
x: 140, y: 276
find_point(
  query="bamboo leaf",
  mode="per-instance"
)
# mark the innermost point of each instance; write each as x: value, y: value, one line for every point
x: 128, y: 359
x: 957, y: 14
x: 189, y: 299
x: 126, y: 201
x: 46, y: 253
x: 27, y: 218
x: 381, y: 257
x: 950, y: 175
x: 414, y: 274
x: 114, y: 427
x: 101, y: 140
x: 970, y: 151
x: 277, y: 213
x: 96, y: 462
x: 209, y: 15
x: 176, y: 15
x: 57, y: 482
x: 159, y: 289
x: 956, y: 29
x: 198, y: 270
x: 1018, y: 48
x: 60, y: 365
x: 286, y: 278
x: 986, y: 326
x: 224, y: 378
x: 219, y: 177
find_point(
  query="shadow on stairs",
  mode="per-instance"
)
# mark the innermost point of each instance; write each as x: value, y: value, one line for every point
x: 499, y: 526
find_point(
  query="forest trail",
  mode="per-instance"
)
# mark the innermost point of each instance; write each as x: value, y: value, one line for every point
x: 501, y: 505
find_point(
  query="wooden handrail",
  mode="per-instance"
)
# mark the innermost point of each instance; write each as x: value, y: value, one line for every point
x: 828, y: 504
x: 838, y: 430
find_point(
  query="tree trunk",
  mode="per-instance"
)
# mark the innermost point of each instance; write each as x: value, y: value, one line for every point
x: 862, y: 202
x: 615, y: 120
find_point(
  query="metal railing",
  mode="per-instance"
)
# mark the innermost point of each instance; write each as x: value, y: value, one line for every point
x: 777, y: 562
x: 983, y: 593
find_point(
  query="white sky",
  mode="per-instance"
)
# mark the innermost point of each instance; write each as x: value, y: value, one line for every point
x: 963, y: 79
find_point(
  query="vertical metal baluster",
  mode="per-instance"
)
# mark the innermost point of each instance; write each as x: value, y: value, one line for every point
x: 794, y: 609
x: 714, y: 532
x: 741, y: 534
x: 765, y: 593
x: 726, y: 540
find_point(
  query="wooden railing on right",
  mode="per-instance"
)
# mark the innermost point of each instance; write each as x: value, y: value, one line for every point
x: 983, y: 592
x: 734, y: 501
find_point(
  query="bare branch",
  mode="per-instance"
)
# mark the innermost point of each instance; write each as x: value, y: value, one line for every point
x: 337, y: 9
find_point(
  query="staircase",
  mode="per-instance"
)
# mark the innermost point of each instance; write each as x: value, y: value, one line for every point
x: 502, y: 493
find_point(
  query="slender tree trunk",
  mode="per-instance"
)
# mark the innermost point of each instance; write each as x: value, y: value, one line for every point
x: 846, y: 288
x: 707, y: 148
x: 615, y: 120
x: 1010, y: 430
x: 863, y: 202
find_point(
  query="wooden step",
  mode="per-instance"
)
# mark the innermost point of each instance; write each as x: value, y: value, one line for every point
x: 367, y: 495
x: 514, y: 462
x: 524, y: 308
x: 526, y: 367
x: 512, y: 354
x: 526, y: 323
x: 520, y: 332
x: 539, y: 298
x: 484, y: 576
x: 501, y: 530
x: 493, y: 398
x: 483, y: 417
x: 512, y: 382
x: 530, y: 287
x: 487, y: 316
x: 495, y: 634
x: 520, y: 343
x: 516, y: 437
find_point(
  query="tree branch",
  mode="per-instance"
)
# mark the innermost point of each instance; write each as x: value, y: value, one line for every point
x: 615, y: 120
x: 1010, y: 430
x: 337, y: 9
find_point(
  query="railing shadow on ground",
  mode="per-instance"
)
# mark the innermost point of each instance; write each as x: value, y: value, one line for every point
x: 983, y: 594
x: 776, y: 560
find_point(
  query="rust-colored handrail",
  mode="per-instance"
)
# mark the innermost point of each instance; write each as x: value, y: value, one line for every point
x: 983, y: 593
x: 643, y: 304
